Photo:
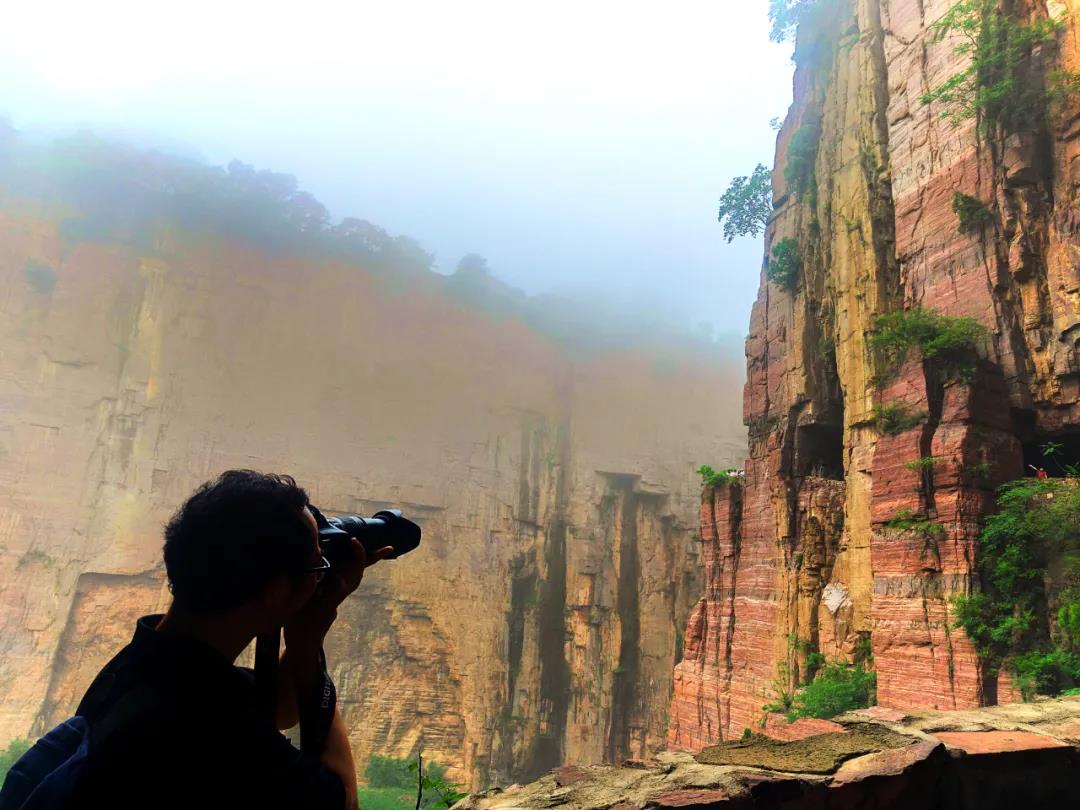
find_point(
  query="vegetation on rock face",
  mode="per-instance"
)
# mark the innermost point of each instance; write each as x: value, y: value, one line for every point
x: 905, y: 520
x: 1026, y: 618
x: 716, y: 478
x: 786, y: 15
x: 971, y: 212
x: 949, y: 341
x: 924, y: 463
x: 997, y: 87
x: 839, y: 687
x: 392, y: 785
x: 747, y: 204
x: 801, y: 157
x: 894, y: 418
x: 40, y: 276
x: 785, y: 266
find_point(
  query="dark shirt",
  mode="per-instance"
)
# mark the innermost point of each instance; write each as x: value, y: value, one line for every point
x: 195, y: 738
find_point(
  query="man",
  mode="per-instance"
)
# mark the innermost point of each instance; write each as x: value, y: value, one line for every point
x: 242, y: 558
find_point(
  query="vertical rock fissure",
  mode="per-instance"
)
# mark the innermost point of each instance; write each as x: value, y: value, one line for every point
x: 624, y: 686
x: 554, y: 703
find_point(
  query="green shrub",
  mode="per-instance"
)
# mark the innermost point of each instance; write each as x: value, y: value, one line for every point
x: 1046, y: 672
x: 386, y: 798
x: 716, y: 478
x: 391, y: 780
x: 906, y: 520
x: 894, y: 418
x: 947, y: 340
x: 40, y: 276
x: 801, y: 157
x: 388, y: 772
x: 839, y: 687
x: 971, y: 212
x: 996, y: 87
x: 1009, y: 622
x: 747, y: 204
x: 786, y: 264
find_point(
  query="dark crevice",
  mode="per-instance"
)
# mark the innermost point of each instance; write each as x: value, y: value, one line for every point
x: 624, y: 685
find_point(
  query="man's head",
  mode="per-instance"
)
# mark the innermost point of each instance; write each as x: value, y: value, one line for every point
x: 245, y: 539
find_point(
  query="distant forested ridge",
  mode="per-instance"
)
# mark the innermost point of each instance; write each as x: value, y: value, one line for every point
x: 112, y: 191
x: 107, y: 191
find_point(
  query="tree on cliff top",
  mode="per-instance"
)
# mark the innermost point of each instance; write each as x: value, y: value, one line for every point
x: 746, y: 206
x: 786, y: 15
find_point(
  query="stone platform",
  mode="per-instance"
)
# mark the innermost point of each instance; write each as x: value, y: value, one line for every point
x: 1020, y: 755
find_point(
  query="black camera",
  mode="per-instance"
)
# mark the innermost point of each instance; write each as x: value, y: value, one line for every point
x: 386, y: 528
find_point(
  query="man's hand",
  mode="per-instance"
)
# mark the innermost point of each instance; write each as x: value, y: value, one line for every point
x: 312, y: 622
x: 345, y: 576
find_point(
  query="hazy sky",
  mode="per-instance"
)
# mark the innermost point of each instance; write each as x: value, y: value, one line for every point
x: 577, y: 145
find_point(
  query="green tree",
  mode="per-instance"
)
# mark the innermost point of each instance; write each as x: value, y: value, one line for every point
x: 785, y: 265
x: 747, y: 204
x: 996, y: 87
x: 786, y: 15
x: 800, y: 159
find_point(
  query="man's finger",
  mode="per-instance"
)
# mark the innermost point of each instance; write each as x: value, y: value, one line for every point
x: 381, y: 554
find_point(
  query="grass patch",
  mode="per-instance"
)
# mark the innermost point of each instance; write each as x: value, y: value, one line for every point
x: 948, y: 341
x: 716, y: 478
x: 392, y: 785
x: 905, y: 520
x: 894, y: 418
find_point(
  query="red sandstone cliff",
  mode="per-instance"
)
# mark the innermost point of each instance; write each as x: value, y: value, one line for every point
x: 801, y: 550
x: 556, y: 489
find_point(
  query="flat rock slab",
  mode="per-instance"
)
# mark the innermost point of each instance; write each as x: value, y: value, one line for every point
x: 689, y: 798
x: 821, y: 754
x: 996, y: 742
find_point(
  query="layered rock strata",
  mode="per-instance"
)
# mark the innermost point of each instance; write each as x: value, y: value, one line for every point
x: 539, y: 622
x: 800, y: 558
x: 997, y: 759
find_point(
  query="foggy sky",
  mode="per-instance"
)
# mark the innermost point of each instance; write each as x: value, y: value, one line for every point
x: 580, y: 146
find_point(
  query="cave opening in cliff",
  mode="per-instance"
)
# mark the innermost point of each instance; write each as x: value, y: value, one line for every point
x: 1056, y: 454
x: 819, y: 451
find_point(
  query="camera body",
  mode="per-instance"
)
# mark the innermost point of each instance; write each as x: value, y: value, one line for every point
x: 386, y: 528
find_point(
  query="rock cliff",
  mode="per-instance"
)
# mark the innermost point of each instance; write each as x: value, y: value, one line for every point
x: 540, y: 621
x: 806, y: 556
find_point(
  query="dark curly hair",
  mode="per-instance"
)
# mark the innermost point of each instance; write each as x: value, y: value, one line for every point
x: 232, y: 537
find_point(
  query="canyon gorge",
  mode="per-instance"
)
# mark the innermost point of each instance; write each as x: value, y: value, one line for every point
x: 556, y: 485
x: 579, y: 599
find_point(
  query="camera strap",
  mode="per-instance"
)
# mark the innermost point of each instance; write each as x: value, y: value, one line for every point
x: 317, y: 711
x: 316, y: 708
